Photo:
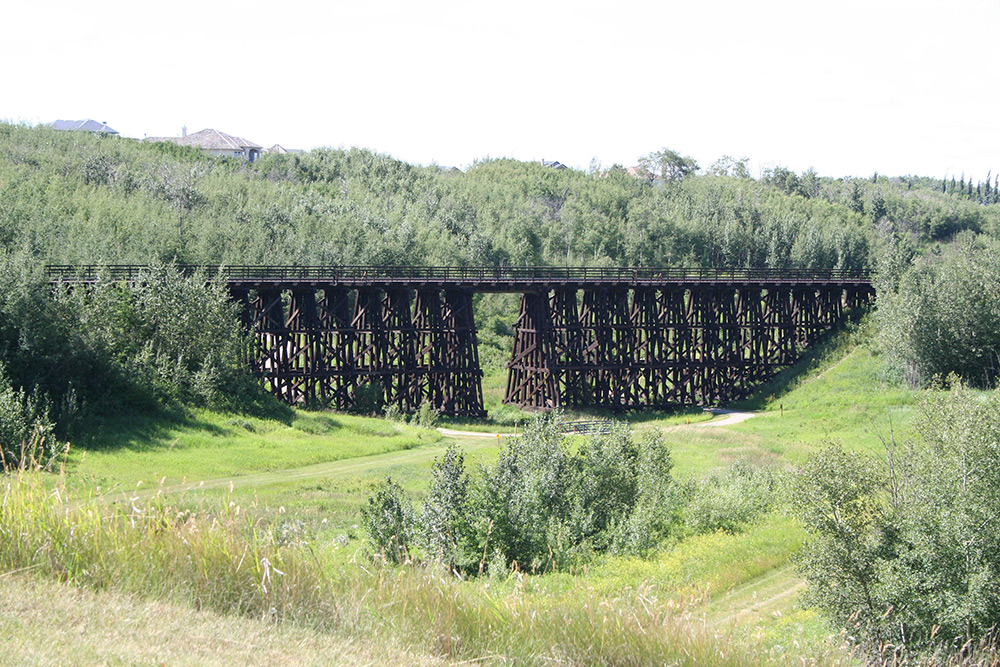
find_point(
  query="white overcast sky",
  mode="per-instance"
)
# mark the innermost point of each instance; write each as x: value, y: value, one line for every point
x: 848, y: 87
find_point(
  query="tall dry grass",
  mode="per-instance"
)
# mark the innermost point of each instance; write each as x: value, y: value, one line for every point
x: 230, y: 562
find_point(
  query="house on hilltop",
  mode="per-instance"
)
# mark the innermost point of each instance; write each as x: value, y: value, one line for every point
x: 278, y: 148
x: 215, y: 143
x: 83, y: 126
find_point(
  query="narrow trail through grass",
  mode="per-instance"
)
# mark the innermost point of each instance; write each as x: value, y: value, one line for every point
x: 771, y: 592
x: 341, y: 468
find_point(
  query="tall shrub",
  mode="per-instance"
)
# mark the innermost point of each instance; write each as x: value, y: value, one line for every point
x: 945, y: 315
x: 541, y: 505
x: 907, y: 550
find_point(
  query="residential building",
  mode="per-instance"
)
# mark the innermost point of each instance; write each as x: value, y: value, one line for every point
x: 216, y: 143
x: 83, y: 126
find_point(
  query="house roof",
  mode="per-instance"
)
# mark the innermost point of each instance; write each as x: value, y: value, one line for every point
x: 278, y: 148
x: 84, y: 125
x: 210, y: 139
x: 554, y: 164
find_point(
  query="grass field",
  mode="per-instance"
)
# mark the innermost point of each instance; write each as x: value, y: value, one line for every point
x: 308, y: 476
x: 49, y: 623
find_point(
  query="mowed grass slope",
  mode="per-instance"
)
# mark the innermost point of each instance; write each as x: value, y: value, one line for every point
x: 317, y: 470
x: 204, y: 445
x: 845, y: 400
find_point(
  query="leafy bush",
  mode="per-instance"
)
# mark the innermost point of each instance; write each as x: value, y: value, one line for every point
x: 427, y: 415
x: 174, y: 337
x: 369, y: 398
x: 731, y: 499
x: 658, y: 501
x: 394, y: 413
x: 27, y: 434
x: 163, y: 340
x: 445, y: 521
x: 522, y: 501
x: 542, y: 505
x: 944, y: 317
x: 907, y: 550
x: 388, y: 519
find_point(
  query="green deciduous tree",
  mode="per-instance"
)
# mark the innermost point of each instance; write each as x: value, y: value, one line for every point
x: 730, y: 166
x: 668, y: 165
x: 906, y: 550
x: 945, y: 315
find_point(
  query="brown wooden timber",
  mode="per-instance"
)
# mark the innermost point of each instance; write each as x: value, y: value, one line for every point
x: 618, y: 338
x: 655, y: 348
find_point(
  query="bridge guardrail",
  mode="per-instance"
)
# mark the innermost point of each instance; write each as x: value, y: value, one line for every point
x: 590, y: 427
x: 457, y: 274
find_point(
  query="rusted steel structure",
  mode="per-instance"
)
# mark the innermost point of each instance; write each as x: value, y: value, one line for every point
x: 618, y: 338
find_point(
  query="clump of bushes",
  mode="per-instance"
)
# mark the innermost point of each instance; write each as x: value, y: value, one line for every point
x: 169, y: 338
x: 27, y: 433
x: 905, y: 551
x: 728, y: 500
x: 426, y: 416
x: 70, y: 354
x: 542, y: 505
x: 942, y: 314
x: 369, y: 398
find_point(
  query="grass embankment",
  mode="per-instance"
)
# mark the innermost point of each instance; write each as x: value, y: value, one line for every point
x: 298, y: 487
x: 230, y: 563
x: 205, y: 445
x: 49, y: 623
x: 318, y: 466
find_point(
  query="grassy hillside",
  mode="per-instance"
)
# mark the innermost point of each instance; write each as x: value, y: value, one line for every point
x: 298, y: 488
x: 48, y: 623
x: 185, y: 489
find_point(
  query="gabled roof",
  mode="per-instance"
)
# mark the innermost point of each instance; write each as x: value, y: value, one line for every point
x: 84, y: 125
x: 278, y: 148
x: 554, y: 164
x: 210, y: 139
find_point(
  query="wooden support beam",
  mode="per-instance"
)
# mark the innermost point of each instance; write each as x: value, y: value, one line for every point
x: 612, y: 346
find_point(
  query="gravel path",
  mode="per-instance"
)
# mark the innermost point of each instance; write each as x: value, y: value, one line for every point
x: 732, y: 417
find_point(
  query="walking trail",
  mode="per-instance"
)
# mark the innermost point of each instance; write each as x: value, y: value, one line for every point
x: 731, y: 417
x: 347, y: 467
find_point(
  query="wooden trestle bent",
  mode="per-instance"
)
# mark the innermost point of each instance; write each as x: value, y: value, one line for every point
x: 640, y: 348
x: 615, y: 338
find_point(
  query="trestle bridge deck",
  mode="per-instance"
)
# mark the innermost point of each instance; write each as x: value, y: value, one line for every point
x: 478, y: 278
x: 618, y: 338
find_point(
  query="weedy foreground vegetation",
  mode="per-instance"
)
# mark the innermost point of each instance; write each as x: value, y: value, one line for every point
x: 852, y: 520
x: 282, y: 546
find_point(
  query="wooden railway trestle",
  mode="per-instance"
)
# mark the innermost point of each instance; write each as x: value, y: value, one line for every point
x: 618, y: 338
x: 416, y: 345
x: 649, y: 347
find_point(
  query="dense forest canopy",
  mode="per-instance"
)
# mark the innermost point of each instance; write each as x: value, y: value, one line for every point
x: 71, y: 197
